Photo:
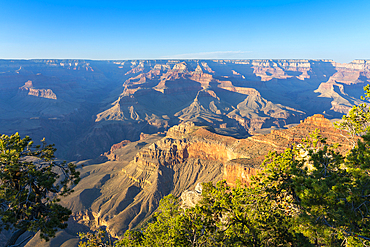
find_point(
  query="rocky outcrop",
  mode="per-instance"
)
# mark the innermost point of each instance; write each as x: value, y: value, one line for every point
x: 210, y: 103
x: 320, y: 121
x: 111, y: 155
x: 42, y: 93
x: 351, y: 73
x: 190, y: 198
x: 239, y: 171
x: 119, y: 145
x: 188, y: 141
x: 123, y: 192
x: 239, y: 95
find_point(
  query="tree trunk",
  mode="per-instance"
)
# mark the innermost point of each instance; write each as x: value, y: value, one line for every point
x: 13, y: 239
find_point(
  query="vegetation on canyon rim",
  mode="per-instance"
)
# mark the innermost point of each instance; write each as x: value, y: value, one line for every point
x: 309, y: 195
x: 31, y: 184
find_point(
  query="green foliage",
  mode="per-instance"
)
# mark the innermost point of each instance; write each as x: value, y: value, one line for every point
x: 174, y: 226
x: 31, y: 184
x: 246, y: 216
x: 357, y: 121
x: 163, y: 231
x: 131, y: 239
x: 224, y: 217
x: 99, y: 239
x: 167, y: 229
x: 327, y: 194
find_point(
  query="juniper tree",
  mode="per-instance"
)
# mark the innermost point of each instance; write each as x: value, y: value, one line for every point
x: 31, y: 184
x: 357, y: 121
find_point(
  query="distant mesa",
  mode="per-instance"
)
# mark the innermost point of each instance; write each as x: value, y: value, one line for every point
x: 42, y: 93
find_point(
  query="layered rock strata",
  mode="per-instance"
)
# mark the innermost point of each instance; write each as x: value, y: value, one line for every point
x: 259, y: 145
x: 43, y: 93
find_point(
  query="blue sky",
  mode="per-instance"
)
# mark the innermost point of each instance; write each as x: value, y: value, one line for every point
x: 323, y: 29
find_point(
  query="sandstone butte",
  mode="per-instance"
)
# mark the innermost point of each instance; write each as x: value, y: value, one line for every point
x: 43, y: 93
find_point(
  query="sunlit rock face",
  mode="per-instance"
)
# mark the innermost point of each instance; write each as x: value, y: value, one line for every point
x: 43, y: 93
x: 241, y: 169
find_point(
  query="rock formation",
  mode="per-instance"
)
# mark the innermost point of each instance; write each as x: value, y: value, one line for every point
x: 190, y: 198
x: 278, y: 140
x: 110, y: 155
x: 43, y: 93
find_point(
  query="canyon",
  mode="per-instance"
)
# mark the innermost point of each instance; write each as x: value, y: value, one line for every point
x: 140, y: 130
x: 85, y: 107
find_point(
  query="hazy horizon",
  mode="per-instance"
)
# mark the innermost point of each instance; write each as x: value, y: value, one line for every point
x: 178, y: 59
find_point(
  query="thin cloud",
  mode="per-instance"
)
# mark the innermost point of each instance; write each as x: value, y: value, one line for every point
x: 210, y: 55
